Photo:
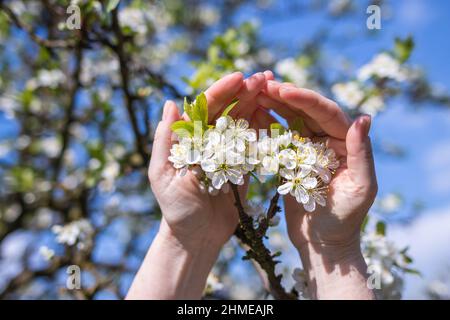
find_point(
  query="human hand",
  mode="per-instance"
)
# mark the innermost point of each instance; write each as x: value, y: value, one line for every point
x: 329, y: 236
x: 192, y: 216
x: 195, y: 224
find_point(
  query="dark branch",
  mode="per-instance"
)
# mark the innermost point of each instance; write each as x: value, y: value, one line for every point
x: 257, y: 251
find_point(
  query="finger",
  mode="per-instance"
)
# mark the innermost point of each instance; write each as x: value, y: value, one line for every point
x: 281, y: 109
x: 246, y: 95
x: 222, y: 92
x: 269, y: 75
x: 261, y: 119
x: 163, y: 139
x: 323, y: 110
x: 359, y: 153
x: 273, y: 91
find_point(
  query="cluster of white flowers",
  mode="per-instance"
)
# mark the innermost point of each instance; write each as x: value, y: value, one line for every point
x: 353, y: 96
x: 292, y: 71
x: 390, y: 203
x: 51, y: 146
x: 219, y: 154
x: 305, y: 167
x: 383, y: 65
x: 138, y: 19
x: 79, y: 233
x: 46, y: 78
x: 301, y: 284
x: 385, y: 260
x: 230, y: 150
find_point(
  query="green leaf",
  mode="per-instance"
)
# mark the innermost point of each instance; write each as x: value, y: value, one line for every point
x: 188, y: 108
x: 407, y: 259
x: 229, y: 107
x: 297, y: 124
x: 112, y: 4
x: 412, y: 271
x: 183, y: 128
x: 403, y: 48
x: 381, y: 228
x: 274, y: 127
x: 201, y: 109
x: 276, y: 254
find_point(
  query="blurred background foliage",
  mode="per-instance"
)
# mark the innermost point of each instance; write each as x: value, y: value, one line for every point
x: 78, y: 108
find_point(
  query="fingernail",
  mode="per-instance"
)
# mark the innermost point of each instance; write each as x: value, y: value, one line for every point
x: 363, y: 123
x: 165, y: 109
x: 237, y: 73
x: 257, y: 76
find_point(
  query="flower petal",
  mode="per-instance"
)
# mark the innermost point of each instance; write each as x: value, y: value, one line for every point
x: 301, y: 195
x: 218, y: 179
x: 310, y: 206
x: 309, y: 182
x: 285, y: 188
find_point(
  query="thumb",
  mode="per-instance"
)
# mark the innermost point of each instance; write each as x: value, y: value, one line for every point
x: 359, y: 153
x: 162, y: 141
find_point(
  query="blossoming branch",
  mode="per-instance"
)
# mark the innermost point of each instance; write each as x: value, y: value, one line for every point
x: 229, y: 150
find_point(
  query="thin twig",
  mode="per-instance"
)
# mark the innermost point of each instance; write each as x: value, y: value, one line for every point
x: 257, y: 251
x: 48, y: 43
x: 129, y: 97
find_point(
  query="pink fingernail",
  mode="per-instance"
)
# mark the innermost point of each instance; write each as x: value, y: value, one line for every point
x: 165, y: 108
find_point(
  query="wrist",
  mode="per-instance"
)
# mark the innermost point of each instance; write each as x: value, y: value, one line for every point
x: 327, y: 254
x: 335, y: 271
x: 174, y: 268
x: 189, y: 242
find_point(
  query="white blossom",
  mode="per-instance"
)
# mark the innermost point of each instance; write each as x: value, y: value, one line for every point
x: 47, y: 78
x: 77, y: 233
x: 386, y: 261
x: 51, y: 146
x: 350, y: 93
x: 373, y: 105
x: 291, y: 70
x: 134, y: 19
x: 390, y: 203
x: 46, y: 253
x: 301, y: 186
x: 228, y: 151
x: 301, y: 284
x: 382, y: 65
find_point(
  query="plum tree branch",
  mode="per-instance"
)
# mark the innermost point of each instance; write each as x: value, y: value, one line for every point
x: 252, y: 242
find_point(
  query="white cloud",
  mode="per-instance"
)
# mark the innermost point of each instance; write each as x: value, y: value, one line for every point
x: 428, y: 238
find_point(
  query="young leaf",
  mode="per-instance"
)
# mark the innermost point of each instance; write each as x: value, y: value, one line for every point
x: 297, y: 124
x: 381, y: 228
x: 403, y: 48
x: 188, y: 108
x: 183, y: 128
x: 201, y: 109
x: 229, y: 107
x: 274, y: 127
